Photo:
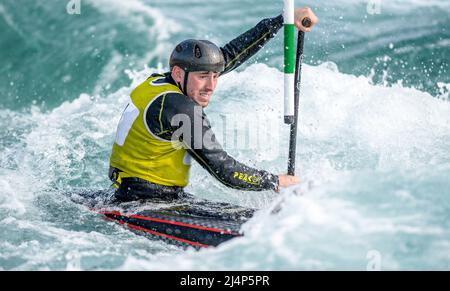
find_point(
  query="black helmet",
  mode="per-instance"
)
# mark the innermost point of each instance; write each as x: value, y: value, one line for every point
x: 197, y: 55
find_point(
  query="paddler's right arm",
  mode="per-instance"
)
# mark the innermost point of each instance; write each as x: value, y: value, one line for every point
x: 207, y: 151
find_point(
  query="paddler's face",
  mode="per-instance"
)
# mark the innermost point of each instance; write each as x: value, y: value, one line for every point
x: 200, y: 86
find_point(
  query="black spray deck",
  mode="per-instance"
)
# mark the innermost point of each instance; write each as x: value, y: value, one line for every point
x: 186, y: 221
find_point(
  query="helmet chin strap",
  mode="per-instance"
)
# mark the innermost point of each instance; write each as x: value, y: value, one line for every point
x: 186, y: 75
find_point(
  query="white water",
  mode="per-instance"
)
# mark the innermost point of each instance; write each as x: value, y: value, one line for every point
x: 375, y: 162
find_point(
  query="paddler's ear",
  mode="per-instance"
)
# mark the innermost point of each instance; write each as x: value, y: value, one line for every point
x: 177, y: 74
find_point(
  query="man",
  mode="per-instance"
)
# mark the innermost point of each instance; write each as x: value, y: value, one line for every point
x: 164, y: 125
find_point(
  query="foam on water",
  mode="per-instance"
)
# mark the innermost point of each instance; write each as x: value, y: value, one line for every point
x: 374, y: 160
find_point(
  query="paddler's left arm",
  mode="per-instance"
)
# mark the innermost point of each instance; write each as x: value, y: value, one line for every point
x: 240, y: 49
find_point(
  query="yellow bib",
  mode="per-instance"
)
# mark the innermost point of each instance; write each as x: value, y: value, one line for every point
x: 140, y: 153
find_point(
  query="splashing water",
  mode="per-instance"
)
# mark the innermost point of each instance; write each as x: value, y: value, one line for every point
x: 374, y: 157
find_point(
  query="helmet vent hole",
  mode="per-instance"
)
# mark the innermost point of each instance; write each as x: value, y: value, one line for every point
x: 197, y: 52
